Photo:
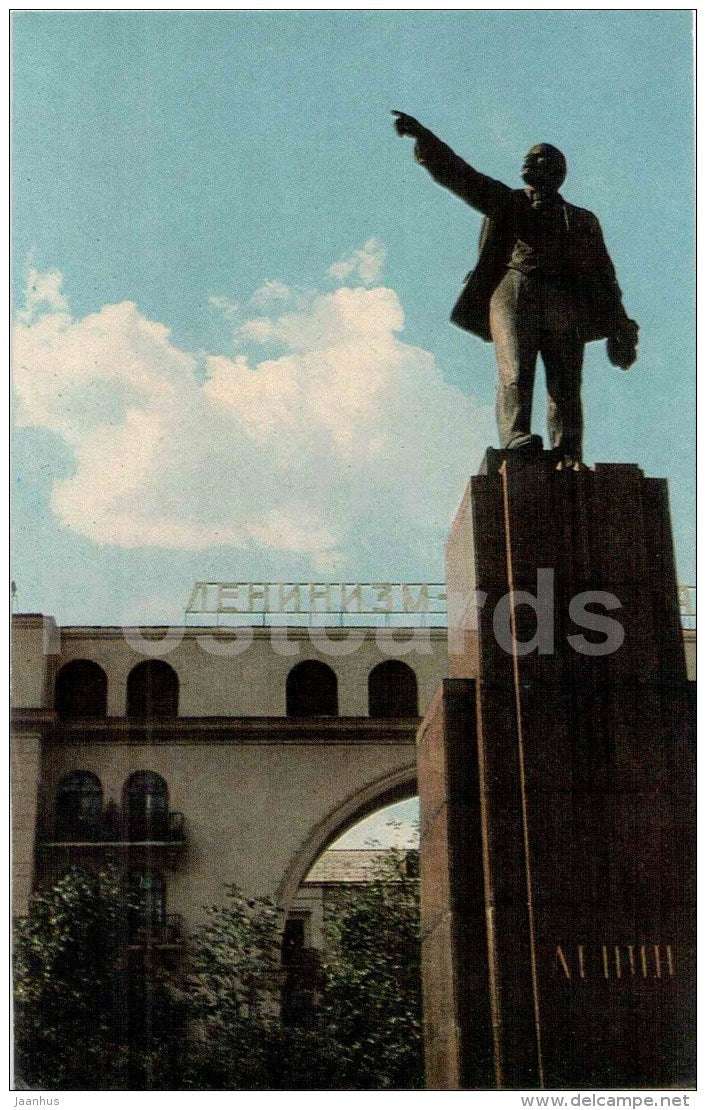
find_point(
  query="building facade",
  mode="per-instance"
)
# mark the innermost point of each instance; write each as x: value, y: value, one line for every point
x: 197, y: 757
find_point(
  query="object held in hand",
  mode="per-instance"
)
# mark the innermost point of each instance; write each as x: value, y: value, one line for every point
x: 621, y: 348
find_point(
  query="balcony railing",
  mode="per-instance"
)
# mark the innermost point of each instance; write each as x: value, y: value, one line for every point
x: 114, y: 827
x: 163, y: 933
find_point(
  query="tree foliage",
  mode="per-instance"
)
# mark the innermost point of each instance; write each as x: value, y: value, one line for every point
x: 371, y: 1001
x: 231, y: 987
x: 71, y: 1018
x: 216, y: 1023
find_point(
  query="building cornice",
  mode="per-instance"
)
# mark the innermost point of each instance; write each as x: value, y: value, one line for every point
x: 154, y: 634
x: 32, y: 720
x: 217, y: 730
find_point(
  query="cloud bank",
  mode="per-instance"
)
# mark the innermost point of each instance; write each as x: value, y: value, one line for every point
x: 320, y: 429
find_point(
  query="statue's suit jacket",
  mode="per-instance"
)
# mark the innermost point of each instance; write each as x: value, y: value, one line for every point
x: 586, y: 265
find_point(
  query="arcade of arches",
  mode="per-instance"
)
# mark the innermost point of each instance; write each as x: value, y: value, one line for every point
x: 201, y: 765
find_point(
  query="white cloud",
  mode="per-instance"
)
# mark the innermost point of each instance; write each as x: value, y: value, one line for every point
x: 259, y: 328
x: 365, y: 263
x: 225, y: 305
x: 43, y: 291
x: 347, y: 435
x: 268, y: 292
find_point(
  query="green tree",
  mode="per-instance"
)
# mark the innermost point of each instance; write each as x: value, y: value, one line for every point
x: 90, y: 1012
x: 371, y: 1000
x: 231, y: 985
x: 84, y: 1020
x: 363, y: 1031
x: 71, y: 1021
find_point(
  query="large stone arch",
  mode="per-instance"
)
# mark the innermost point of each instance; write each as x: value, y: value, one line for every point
x: 394, y: 787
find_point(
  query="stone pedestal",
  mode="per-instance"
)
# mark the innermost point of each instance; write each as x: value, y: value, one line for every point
x: 556, y: 785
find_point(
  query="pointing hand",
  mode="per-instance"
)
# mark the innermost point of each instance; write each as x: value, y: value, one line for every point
x: 407, y: 125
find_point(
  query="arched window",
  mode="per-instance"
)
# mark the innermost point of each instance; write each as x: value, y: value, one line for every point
x: 79, y: 806
x: 147, y: 900
x: 81, y: 690
x: 312, y: 690
x: 392, y: 690
x: 146, y: 805
x: 152, y: 690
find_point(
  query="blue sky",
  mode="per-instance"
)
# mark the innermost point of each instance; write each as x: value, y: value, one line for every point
x: 233, y: 358
x: 395, y: 826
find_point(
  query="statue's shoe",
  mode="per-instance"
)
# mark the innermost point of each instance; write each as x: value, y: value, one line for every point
x: 528, y: 445
x: 568, y: 463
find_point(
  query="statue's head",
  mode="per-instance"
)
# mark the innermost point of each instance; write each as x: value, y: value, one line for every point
x: 544, y: 165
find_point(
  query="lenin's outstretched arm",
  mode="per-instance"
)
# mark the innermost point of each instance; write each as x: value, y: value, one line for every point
x: 476, y: 189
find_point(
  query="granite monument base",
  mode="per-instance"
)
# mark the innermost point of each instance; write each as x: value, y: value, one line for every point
x: 556, y: 778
